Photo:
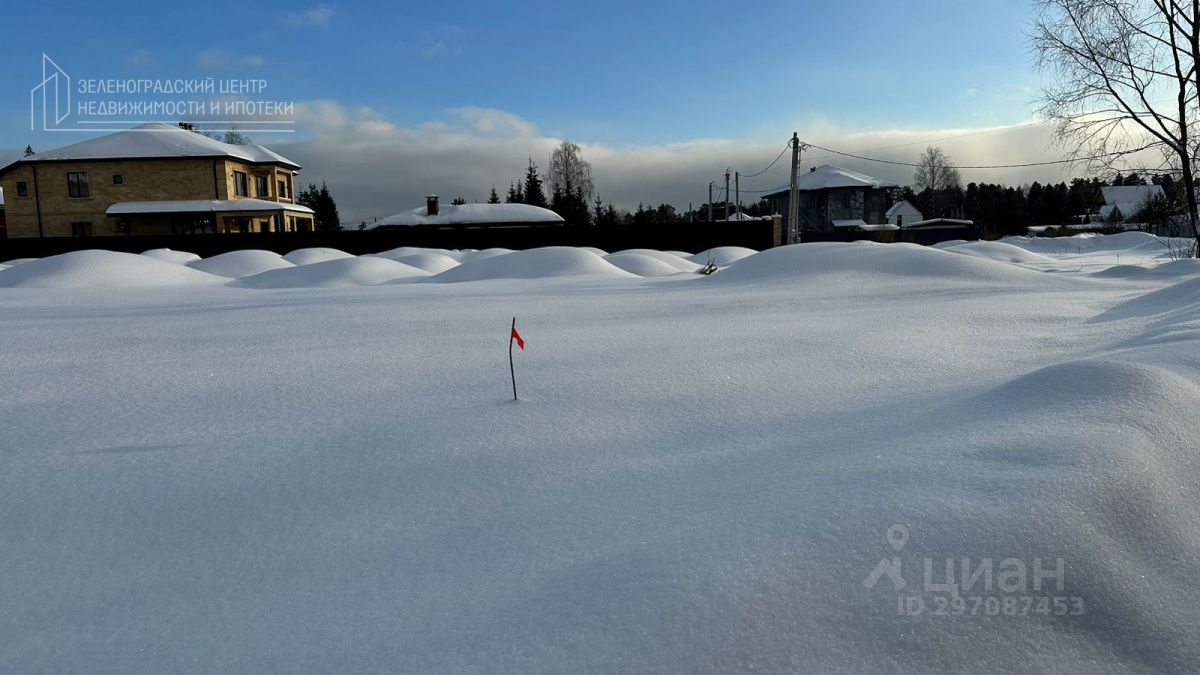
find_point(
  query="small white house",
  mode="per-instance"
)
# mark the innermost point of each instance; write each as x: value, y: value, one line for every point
x: 902, y: 212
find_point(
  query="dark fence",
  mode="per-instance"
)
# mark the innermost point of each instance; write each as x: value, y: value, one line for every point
x: 690, y: 237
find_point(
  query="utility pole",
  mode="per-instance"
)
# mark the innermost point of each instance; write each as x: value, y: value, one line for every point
x: 710, y: 201
x: 726, y: 194
x: 793, y: 193
x: 737, y: 192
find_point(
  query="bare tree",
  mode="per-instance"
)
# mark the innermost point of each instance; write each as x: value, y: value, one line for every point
x: 569, y: 173
x: 1123, y: 79
x: 935, y: 172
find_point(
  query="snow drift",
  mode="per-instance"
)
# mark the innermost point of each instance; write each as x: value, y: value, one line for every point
x: 308, y: 256
x: 361, y: 271
x: 723, y: 256
x: 997, y: 250
x: 648, y: 263
x: 240, y: 263
x: 167, y: 255
x: 101, y: 269
x: 868, y: 262
x: 538, y: 263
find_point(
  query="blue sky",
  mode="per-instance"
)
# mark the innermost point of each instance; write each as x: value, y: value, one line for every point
x: 617, y: 75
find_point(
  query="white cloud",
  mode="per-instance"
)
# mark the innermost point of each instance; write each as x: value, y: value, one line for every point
x: 313, y: 17
x: 377, y: 168
x: 493, y: 122
x: 141, y: 59
x: 221, y: 59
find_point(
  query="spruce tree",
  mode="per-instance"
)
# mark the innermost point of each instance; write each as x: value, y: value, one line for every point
x: 325, y: 211
x: 493, y: 198
x: 533, y: 194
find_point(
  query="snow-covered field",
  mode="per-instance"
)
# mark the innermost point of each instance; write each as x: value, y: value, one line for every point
x: 256, y: 463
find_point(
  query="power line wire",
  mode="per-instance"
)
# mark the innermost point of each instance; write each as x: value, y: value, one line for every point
x: 773, y: 163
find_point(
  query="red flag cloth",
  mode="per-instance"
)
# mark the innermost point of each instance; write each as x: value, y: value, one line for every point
x: 517, y: 336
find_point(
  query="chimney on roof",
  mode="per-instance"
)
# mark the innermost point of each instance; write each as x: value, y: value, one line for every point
x: 431, y: 205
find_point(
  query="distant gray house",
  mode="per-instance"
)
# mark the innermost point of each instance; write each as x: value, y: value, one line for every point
x: 1122, y: 203
x: 903, y: 213
x: 829, y: 194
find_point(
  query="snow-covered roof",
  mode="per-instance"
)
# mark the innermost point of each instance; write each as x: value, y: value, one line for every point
x: 466, y: 214
x: 941, y: 222
x: 202, y: 206
x: 1131, y: 194
x: 858, y: 223
x: 899, y: 205
x: 739, y: 216
x: 1106, y: 211
x: 157, y: 140
x: 828, y: 176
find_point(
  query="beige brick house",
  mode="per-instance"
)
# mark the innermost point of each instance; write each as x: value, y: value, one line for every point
x: 152, y: 179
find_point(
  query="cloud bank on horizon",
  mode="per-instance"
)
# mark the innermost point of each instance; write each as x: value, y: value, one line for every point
x: 377, y: 167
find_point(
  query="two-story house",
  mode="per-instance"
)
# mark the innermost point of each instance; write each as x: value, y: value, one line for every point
x: 152, y: 179
x: 828, y: 193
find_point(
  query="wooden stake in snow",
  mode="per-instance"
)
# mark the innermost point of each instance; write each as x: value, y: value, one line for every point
x: 514, y: 336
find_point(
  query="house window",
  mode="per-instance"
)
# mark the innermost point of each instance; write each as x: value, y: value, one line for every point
x: 22, y: 189
x: 77, y: 184
x: 81, y: 229
x: 845, y: 199
x: 283, y: 190
x: 260, y: 186
x: 118, y: 179
x: 239, y: 184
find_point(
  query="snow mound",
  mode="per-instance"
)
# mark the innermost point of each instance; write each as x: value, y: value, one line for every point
x: 1124, y: 242
x: 309, y: 256
x: 434, y: 263
x: 167, y: 255
x: 538, y: 263
x: 644, y: 265
x: 101, y: 269
x: 950, y: 243
x: 19, y: 261
x: 997, y: 250
x: 406, y: 251
x: 352, y: 271
x: 472, y: 255
x: 723, y: 256
x: 239, y: 264
x: 1180, y: 295
x: 865, y: 260
x: 1168, y: 270
x: 670, y: 259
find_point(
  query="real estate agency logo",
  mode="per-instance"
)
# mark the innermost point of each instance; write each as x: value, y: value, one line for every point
x: 965, y: 586
x: 59, y: 103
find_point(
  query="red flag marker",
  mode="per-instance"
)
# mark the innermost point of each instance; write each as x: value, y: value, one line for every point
x: 514, y: 335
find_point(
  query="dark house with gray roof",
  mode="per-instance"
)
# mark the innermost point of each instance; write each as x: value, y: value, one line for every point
x: 829, y: 193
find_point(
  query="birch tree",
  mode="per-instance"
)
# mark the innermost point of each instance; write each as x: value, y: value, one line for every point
x: 1121, y: 79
